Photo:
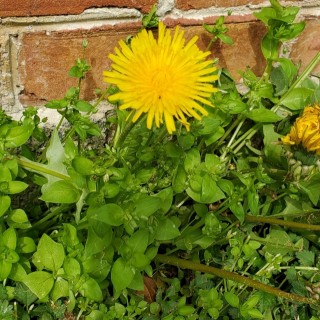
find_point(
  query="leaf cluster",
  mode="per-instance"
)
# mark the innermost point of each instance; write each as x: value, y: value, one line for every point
x: 86, y: 209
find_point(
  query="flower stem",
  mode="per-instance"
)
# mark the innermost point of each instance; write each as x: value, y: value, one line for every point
x: 186, y: 264
x: 251, y: 132
x: 120, y: 134
x: 50, y: 215
x: 300, y: 79
x: 285, y: 223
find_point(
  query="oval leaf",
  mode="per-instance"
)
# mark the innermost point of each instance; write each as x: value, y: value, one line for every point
x: 61, y: 192
x: 40, y: 283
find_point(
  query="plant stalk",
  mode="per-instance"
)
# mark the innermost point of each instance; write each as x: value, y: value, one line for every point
x: 186, y: 264
x: 40, y: 168
x: 284, y: 223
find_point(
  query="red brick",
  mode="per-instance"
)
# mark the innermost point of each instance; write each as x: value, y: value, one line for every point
x: 307, y: 45
x: 45, y: 59
x: 24, y: 8
x: 200, y: 4
x: 245, y: 52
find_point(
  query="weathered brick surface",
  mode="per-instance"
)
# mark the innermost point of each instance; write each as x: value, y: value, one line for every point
x: 307, y: 45
x: 45, y: 59
x: 199, y: 4
x: 24, y: 8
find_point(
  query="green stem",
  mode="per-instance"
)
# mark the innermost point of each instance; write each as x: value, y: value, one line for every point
x: 244, y: 140
x: 239, y: 125
x: 300, y: 79
x: 121, y: 135
x: 102, y: 96
x: 284, y: 223
x: 251, y: 132
x: 186, y: 264
x: 48, y: 216
x: 40, y: 168
x: 226, y: 134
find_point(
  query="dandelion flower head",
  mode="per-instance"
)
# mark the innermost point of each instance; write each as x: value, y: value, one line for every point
x: 306, y: 130
x: 164, y: 78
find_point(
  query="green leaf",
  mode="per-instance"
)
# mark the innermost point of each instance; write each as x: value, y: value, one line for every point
x: 209, y: 125
x: 18, y: 219
x: 72, y: 267
x: 57, y: 104
x: 90, y: 288
x: 83, y: 106
x: 279, y: 242
x: 289, y: 68
x: 192, y: 160
x: 17, y: 273
x: 5, y: 269
x: 40, y: 283
x: 204, y: 189
x: 17, y: 136
x: 270, y: 47
x: 83, y: 165
x: 69, y: 236
x: 5, y: 202
x: 145, y: 206
x: 49, y: 254
x: 121, y: 275
x: 60, y: 289
x: 26, y: 245
x: 150, y: 20
x: 226, y: 186
x: 24, y: 295
x: 97, y: 268
x: 237, y: 209
x: 9, y: 238
x: 273, y: 151
x: 297, y: 98
x: 166, y: 195
x: 232, y: 299
x: 9, y: 255
x: 294, y: 279
x: 311, y: 188
x: 263, y: 115
x: 306, y: 258
x: 179, y: 183
x: 225, y: 39
x: 61, y: 192
x: 172, y: 150
x: 110, y: 214
x: 280, y: 80
x: 215, y: 136
x: 5, y: 173
x: 14, y: 187
x: 139, y: 260
x: 56, y: 160
x: 76, y: 72
x: 253, y: 201
x: 96, y: 243
x: 138, y: 242
x: 166, y: 230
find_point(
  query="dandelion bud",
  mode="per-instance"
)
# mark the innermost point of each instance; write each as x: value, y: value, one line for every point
x: 297, y: 172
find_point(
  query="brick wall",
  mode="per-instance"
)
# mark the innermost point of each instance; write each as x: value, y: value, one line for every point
x: 40, y: 39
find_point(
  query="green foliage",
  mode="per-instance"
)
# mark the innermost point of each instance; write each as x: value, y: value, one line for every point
x: 84, y: 212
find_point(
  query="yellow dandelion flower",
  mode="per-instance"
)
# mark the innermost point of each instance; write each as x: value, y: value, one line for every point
x: 306, y: 130
x: 164, y: 78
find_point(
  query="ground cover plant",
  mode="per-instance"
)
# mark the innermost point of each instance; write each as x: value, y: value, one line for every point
x: 194, y: 200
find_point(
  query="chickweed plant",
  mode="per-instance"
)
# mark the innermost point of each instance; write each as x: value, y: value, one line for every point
x: 190, y: 200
